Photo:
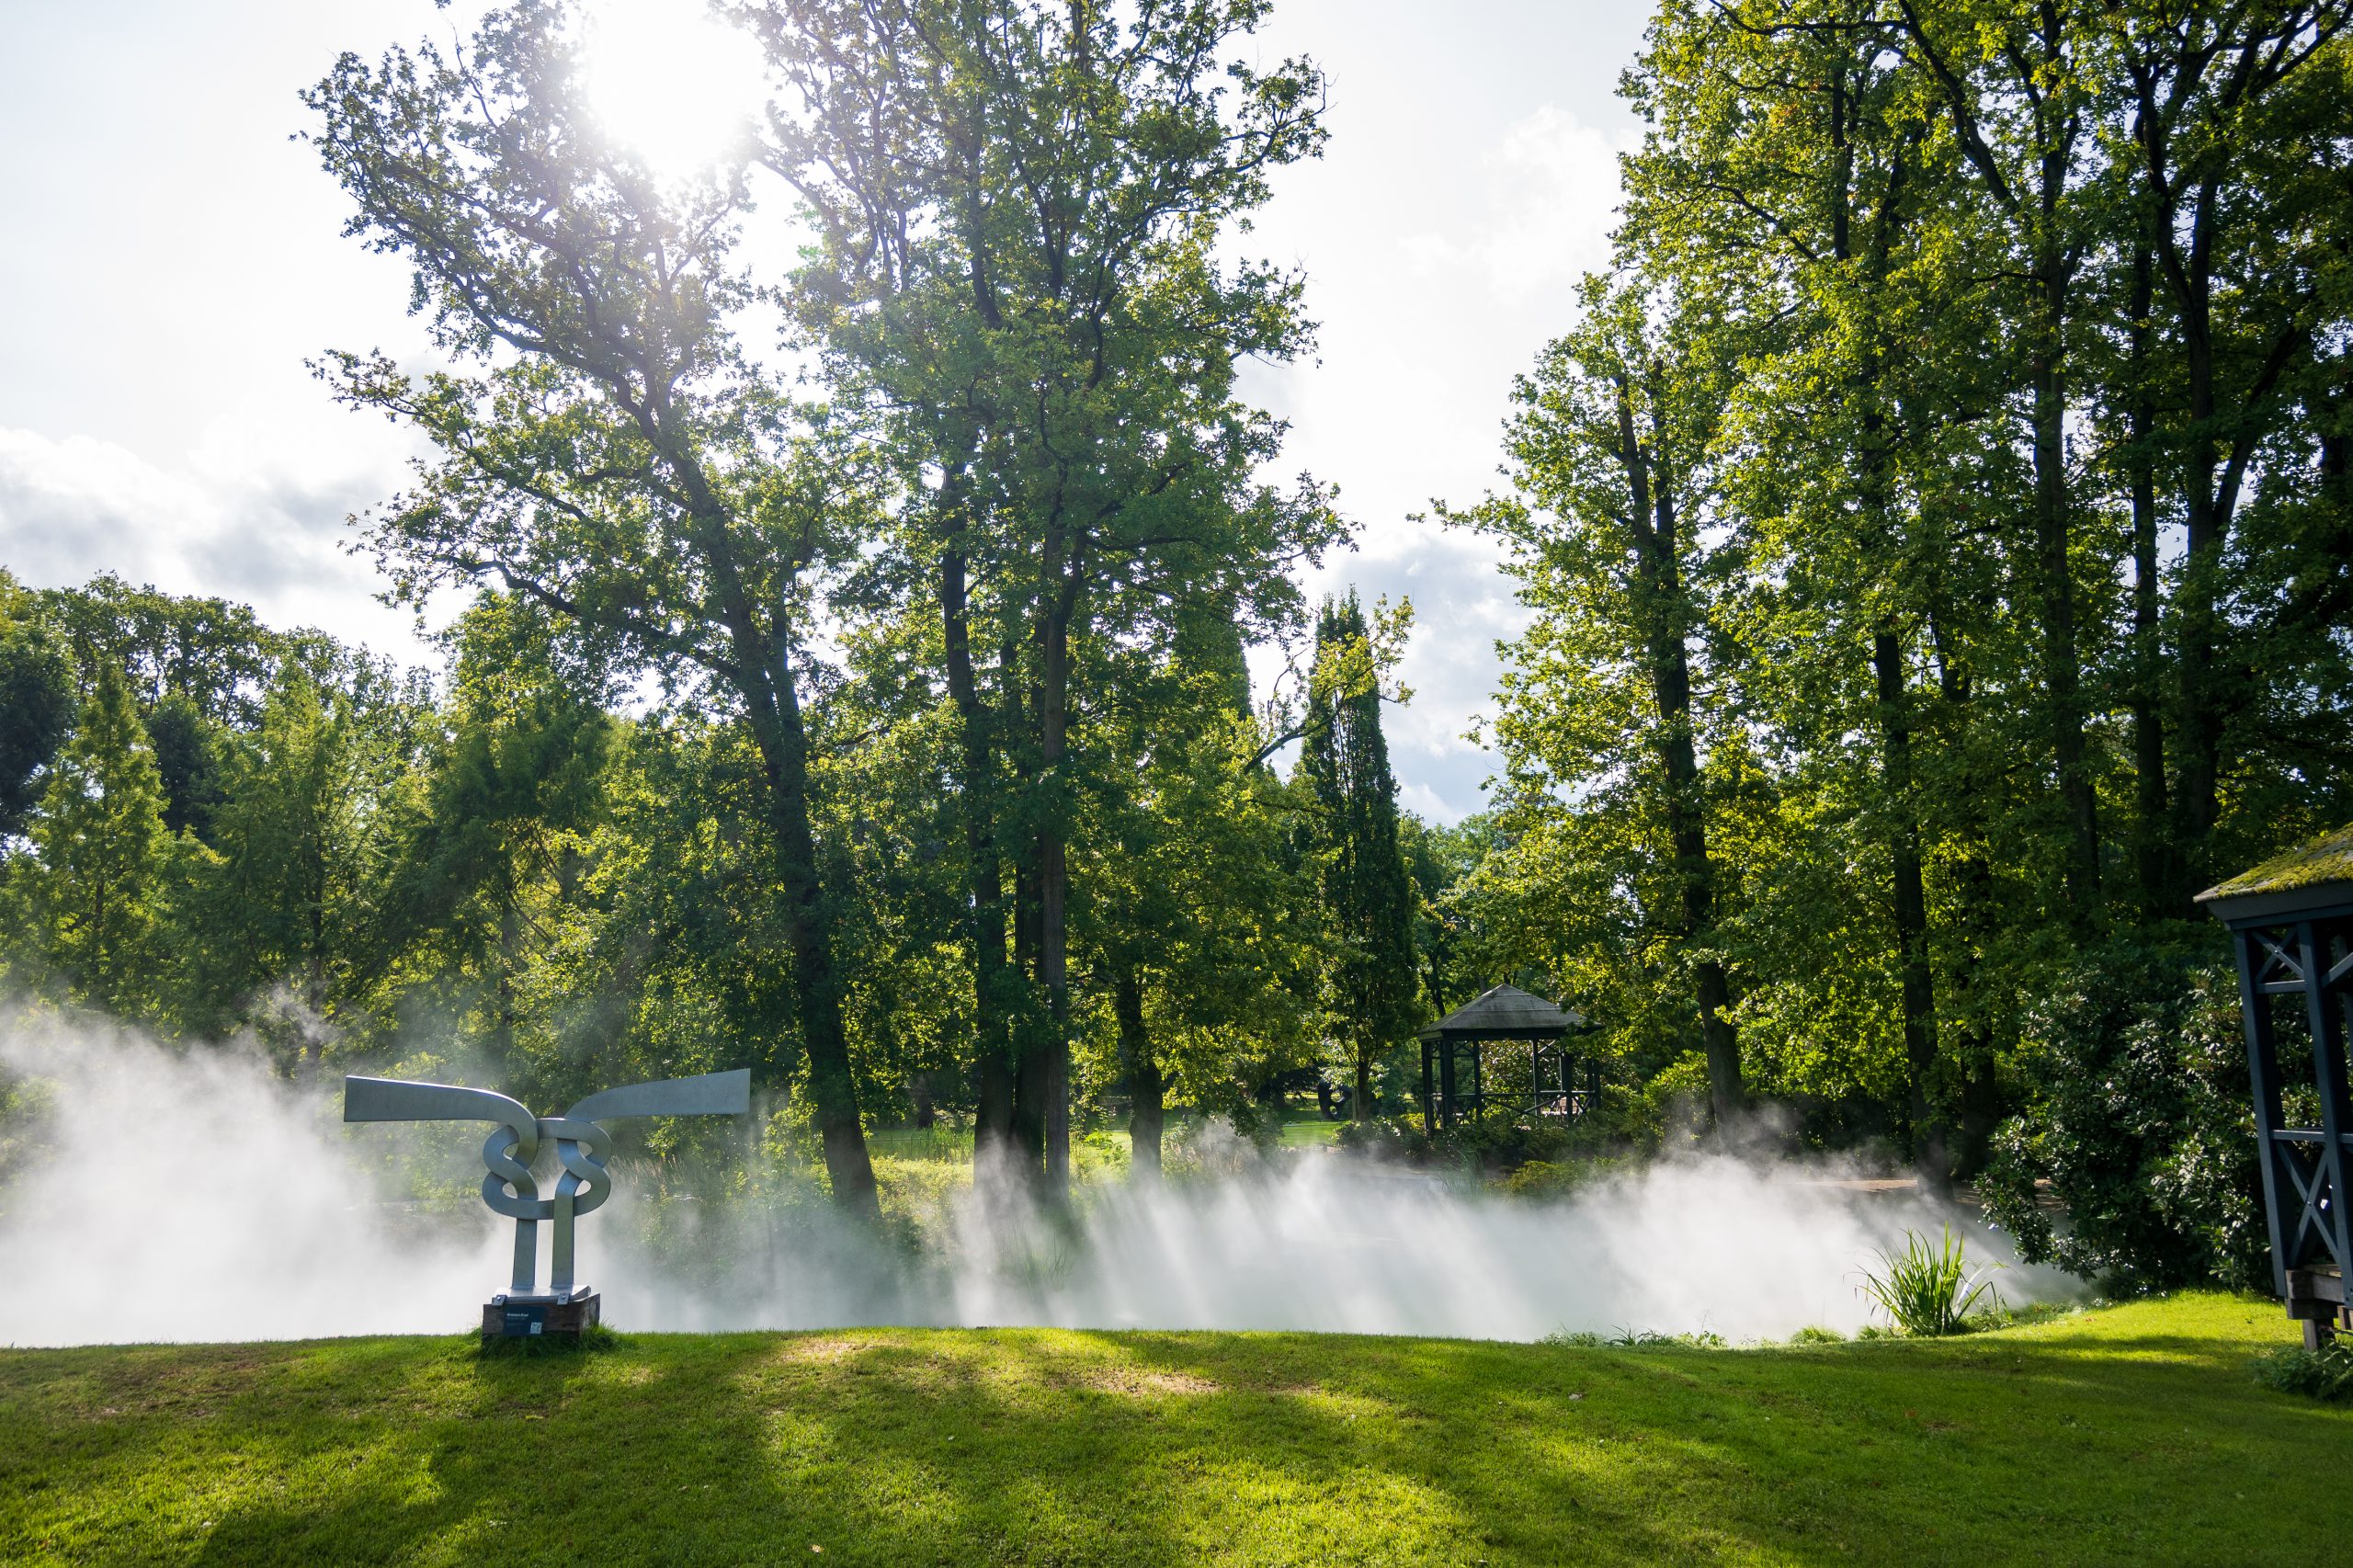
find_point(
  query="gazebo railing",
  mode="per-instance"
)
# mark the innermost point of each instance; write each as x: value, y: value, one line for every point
x: 1553, y: 1089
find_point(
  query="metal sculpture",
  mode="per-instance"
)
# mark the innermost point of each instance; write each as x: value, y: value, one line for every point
x: 580, y: 1144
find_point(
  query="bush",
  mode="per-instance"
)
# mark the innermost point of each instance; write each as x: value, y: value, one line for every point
x: 1559, y: 1178
x: 2138, y: 1116
x: 1398, y: 1138
x: 2325, y: 1374
x: 1929, y: 1291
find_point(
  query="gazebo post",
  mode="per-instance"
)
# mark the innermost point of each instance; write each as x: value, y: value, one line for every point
x: 2262, y: 1073
x: 1429, y: 1110
x: 2328, y: 1072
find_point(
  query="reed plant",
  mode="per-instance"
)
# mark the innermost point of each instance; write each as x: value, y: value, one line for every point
x: 1928, y: 1290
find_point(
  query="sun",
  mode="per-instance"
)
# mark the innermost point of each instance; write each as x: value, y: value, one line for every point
x: 671, y: 83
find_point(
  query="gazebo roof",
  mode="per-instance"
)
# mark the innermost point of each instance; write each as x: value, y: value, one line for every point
x: 1506, y: 1012
x: 2305, y: 880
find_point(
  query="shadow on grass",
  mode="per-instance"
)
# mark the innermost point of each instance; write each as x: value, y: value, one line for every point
x: 916, y: 1447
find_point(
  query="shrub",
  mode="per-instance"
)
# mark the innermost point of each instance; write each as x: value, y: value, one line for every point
x: 1559, y: 1178
x: 1929, y: 1291
x: 1397, y: 1138
x: 2323, y: 1374
x: 2138, y: 1116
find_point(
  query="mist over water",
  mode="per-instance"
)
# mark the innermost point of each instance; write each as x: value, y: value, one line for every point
x: 169, y: 1196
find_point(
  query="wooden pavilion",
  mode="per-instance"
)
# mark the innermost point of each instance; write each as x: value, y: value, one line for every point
x: 1503, y: 1012
x: 2292, y: 920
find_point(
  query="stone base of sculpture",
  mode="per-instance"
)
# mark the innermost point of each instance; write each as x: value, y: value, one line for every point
x: 540, y: 1317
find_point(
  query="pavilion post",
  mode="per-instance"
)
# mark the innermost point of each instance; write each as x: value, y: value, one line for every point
x: 1429, y: 1110
x: 2262, y: 1073
x: 2328, y: 1072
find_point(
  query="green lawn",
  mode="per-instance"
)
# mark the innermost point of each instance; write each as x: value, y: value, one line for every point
x: 1306, y: 1129
x: 2130, y: 1435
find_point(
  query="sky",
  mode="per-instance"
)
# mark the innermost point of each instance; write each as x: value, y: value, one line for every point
x: 174, y: 257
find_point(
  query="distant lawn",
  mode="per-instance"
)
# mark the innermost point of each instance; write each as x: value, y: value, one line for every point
x: 1306, y: 1129
x: 2130, y: 1435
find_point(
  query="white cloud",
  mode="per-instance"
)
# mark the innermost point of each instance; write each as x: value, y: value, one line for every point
x: 1549, y: 193
x: 256, y: 514
x: 1428, y: 314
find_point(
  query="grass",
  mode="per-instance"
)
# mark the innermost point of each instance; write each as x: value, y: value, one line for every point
x: 1308, y: 1129
x: 2130, y: 1434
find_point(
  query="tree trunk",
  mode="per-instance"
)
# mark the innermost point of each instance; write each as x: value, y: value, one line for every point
x: 1915, y: 982
x: 1930, y: 1153
x: 2152, y: 862
x: 1665, y: 610
x: 975, y: 786
x: 1030, y: 1082
x: 2217, y: 460
x: 764, y: 677
x: 2062, y: 666
x: 1972, y: 879
x: 1145, y: 1087
x: 1053, y: 873
x: 832, y: 1091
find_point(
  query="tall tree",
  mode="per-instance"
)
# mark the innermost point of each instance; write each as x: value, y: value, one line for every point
x: 2230, y: 168
x: 1611, y: 455
x: 36, y: 706
x: 1196, y: 915
x: 281, y: 901
x: 104, y: 856
x: 606, y: 451
x: 1371, y: 977
x: 1020, y: 207
x: 2015, y: 92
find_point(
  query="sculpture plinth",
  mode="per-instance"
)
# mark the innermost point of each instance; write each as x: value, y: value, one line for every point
x: 540, y: 1317
x: 566, y: 1308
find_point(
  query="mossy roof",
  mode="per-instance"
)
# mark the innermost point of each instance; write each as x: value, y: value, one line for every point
x: 2328, y: 858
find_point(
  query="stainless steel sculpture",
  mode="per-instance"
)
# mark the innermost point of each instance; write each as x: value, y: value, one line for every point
x: 580, y: 1144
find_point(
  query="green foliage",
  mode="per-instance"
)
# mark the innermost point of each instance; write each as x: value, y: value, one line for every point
x: 892, y: 734
x: 1908, y: 701
x: 35, y: 708
x: 1562, y: 1177
x: 105, y: 866
x: 1928, y: 1290
x: 2138, y: 1117
x: 2325, y: 1374
x: 188, y: 762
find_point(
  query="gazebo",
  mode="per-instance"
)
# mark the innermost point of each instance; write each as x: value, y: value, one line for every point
x: 1503, y: 1012
x: 2292, y: 920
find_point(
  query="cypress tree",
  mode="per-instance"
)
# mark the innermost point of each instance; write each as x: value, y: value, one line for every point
x: 1369, y: 990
